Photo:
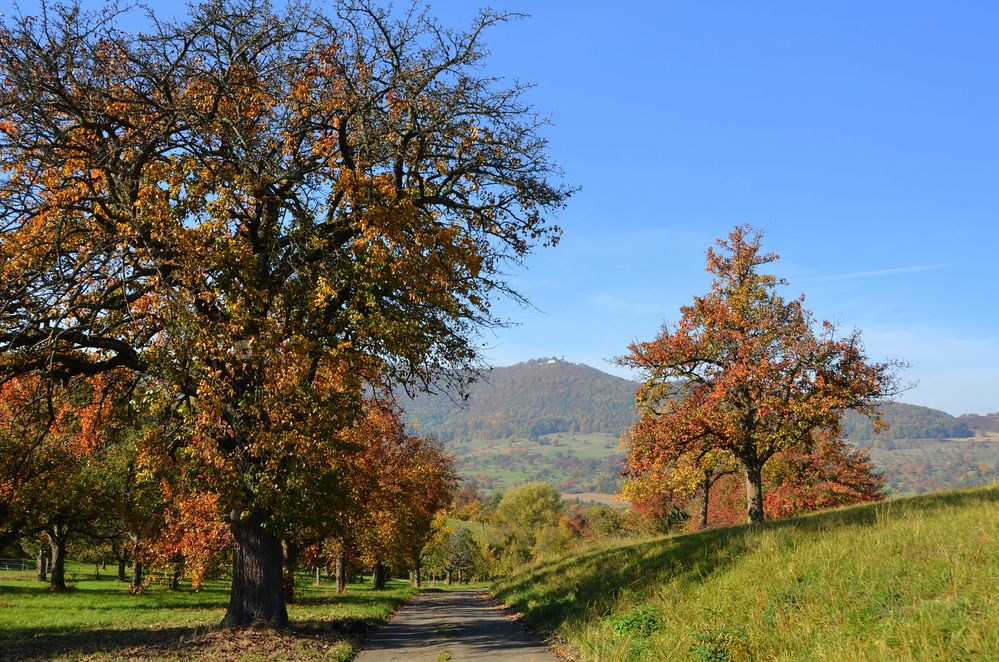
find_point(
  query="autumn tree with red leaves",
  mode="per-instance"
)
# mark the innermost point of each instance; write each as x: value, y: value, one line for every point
x: 232, y: 205
x: 747, y: 374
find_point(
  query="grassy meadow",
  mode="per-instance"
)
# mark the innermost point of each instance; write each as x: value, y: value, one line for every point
x: 909, y: 579
x: 100, y: 619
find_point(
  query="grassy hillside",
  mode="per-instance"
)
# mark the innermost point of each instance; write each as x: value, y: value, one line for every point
x: 911, y: 579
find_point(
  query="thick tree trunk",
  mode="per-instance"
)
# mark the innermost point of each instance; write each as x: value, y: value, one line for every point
x: 58, y: 536
x: 448, y: 580
x: 43, y: 559
x: 416, y: 572
x: 122, y: 564
x: 706, y: 487
x: 257, y: 594
x: 754, y: 493
x: 380, y: 575
x: 319, y: 575
x: 341, y: 572
x: 290, y: 563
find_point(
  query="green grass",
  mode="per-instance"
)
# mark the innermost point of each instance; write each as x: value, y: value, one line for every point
x: 100, y: 619
x: 911, y: 579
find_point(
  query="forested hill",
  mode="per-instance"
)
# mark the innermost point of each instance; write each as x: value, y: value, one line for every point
x: 530, y: 399
x: 981, y: 423
x: 907, y: 422
x: 550, y: 395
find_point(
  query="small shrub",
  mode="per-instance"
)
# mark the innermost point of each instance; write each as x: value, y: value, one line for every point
x: 638, y: 622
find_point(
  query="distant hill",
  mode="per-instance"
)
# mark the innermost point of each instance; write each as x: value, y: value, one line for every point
x: 548, y: 396
x: 528, y: 400
x: 906, y: 422
x: 559, y: 422
x: 982, y: 424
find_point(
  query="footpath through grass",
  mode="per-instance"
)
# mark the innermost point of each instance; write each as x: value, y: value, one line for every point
x: 100, y: 619
x: 911, y: 579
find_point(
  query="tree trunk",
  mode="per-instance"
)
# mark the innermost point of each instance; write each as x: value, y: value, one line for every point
x: 448, y: 580
x: 290, y: 563
x: 319, y: 575
x: 58, y: 535
x: 754, y: 493
x: 122, y: 564
x: 43, y: 559
x: 706, y: 486
x: 178, y: 569
x: 379, y: 577
x: 416, y: 573
x: 257, y: 594
x: 136, y: 584
x: 341, y: 572
x: 136, y: 574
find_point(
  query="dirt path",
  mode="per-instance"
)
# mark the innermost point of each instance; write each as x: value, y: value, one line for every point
x: 453, y: 625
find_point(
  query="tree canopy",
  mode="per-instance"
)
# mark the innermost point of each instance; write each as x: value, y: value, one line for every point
x: 747, y: 373
x: 261, y: 215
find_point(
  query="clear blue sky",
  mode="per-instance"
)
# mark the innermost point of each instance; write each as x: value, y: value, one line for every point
x: 862, y: 136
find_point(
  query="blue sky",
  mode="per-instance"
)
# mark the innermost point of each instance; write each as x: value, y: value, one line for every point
x: 862, y: 137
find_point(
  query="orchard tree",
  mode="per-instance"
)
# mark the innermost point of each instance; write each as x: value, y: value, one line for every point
x: 240, y: 204
x: 748, y: 373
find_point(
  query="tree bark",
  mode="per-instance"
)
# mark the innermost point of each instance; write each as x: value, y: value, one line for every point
x: 43, y: 559
x: 754, y: 493
x: 58, y: 536
x: 706, y: 487
x: 136, y: 582
x: 290, y: 563
x: 380, y: 574
x: 122, y: 564
x: 319, y: 575
x: 448, y: 580
x: 178, y: 569
x: 341, y: 572
x: 257, y: 594
x: 416, y: 572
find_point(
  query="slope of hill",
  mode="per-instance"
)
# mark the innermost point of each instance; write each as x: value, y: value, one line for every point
x: 559, y: 422
x: 982, y: 424
x: 911, y: 579
x: 906, y: 422
x: 528, y: 400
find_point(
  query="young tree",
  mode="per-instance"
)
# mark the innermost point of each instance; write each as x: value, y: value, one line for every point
x: 746, y: 372
x: 228, y: 204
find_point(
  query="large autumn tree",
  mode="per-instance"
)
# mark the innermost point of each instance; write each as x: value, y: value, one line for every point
x: 254, y: 211
x: 747, y: 373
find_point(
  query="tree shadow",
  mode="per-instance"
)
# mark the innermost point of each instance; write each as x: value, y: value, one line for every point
x: 49, y: 642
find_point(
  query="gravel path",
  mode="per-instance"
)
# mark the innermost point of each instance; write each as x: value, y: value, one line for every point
x: 453, y: 625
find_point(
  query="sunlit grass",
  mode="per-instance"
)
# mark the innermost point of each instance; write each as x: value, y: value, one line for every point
x: 101, y: 619
x: 912, y: 579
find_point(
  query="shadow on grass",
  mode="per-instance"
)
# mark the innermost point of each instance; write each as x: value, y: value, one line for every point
x: 45, y: 643
x: 185, y: 642
x: 566, y: 589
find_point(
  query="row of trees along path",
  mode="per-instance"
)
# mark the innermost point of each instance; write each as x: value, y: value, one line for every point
x: 228, y: 237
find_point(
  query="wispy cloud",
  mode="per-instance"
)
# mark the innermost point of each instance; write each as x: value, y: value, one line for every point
x: 874, y: 273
